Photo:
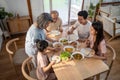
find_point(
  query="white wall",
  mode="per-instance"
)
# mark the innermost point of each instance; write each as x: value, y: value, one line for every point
x: 4, y: 4
x: 18, y: 6
x: 37, y: 8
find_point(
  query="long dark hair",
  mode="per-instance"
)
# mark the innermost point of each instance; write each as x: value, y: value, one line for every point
x: 98, y: 26
x: 41, y: 45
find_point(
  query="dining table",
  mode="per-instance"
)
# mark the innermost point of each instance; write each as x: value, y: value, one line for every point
x: 77, y: 69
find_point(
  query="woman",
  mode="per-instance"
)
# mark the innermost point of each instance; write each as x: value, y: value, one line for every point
x: 36, y: 31
x: 96, y: 40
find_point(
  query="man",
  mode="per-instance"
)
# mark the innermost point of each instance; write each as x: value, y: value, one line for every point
x: 82, y: 26
x: 57, y: 22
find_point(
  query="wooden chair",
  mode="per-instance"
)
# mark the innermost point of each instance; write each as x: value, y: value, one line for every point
x: 17, y: 56
x: 111, y: 26
x: 111, y: 55
x: 27, y: 65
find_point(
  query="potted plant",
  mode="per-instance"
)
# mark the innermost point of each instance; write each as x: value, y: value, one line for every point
x: 3, y: 13
x: 91, y: 12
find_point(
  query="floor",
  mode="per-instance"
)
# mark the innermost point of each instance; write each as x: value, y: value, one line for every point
x: 7, y: 71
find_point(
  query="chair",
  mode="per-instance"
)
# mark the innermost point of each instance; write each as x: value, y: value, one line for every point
x: 27, y: 65
x: 17, y: 56
x: 111, y: 25
x: 111, y: 55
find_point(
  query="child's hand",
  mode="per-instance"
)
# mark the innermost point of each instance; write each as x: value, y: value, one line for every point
x: 52, y: 62
x: 56, y: 49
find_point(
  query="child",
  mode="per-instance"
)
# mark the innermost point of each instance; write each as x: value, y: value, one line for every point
x: 96, y: 40
x: 43, y: 64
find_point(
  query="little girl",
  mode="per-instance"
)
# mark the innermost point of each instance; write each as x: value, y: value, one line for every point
x: 96, y: 40
x: 43, y: 64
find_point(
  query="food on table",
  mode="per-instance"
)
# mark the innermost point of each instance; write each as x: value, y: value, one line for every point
x: 65, y: 55
x: 64, y: 40
x: 57, y: 44
x: 55, y: 32
x: 73, y: 44
x: 56, y: 58
x: 69, y: 49
x: 77, y: 56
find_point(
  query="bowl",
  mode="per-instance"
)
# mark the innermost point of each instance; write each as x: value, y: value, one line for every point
x: 77, y: 56
x: 69, y: 49
x: 63, y: 40
x: 57, y: 45
x: 56, y: 58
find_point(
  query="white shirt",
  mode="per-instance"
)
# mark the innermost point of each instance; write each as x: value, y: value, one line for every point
x: 82, y: 30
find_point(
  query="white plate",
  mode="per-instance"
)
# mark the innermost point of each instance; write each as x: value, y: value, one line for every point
x: 57, y: 44
x: 72, y: 37
x: 79, y: 53
x: 56, y: 58
x: 55, y: 32
x: 69, y: 47
x: 88, y: 52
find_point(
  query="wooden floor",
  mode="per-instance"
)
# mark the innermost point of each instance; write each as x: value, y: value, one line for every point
x: 7, y: 71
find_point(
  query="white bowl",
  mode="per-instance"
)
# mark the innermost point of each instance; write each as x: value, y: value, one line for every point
x: 57, y: 44
x: 56, y: 58
x: 63, y: 40
x: 68, y: 48
x: 79, y: 55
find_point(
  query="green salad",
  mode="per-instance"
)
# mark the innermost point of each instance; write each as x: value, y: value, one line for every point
x: 65, y: 55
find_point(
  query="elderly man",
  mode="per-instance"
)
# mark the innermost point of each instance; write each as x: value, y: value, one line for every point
x: 57, y: 22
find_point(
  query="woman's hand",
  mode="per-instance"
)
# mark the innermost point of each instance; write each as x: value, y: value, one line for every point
x: 87, y: 42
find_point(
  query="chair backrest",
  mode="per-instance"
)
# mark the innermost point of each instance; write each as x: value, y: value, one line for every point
x: 111, y: 55
x: 26, y: 65
x: 14, y: 47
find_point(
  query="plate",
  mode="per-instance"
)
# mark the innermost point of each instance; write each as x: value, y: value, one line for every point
x: 69, y: 49
x: 56, y: 58
x: 72, y: 37
x: 63, y: 40
x: 77, y: 56
x: 57, y: 44
x: 55, y: 32
x: 88, y: 52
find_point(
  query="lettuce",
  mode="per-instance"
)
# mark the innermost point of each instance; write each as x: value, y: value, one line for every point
x: 65, y: 55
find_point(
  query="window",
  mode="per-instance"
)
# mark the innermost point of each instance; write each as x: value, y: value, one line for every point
x: 62, y: 6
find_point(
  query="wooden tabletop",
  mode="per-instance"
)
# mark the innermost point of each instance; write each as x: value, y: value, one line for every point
x: 79, y: 70
x: 67, y: 71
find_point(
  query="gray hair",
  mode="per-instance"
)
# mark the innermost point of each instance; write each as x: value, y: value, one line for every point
x: 43, y: 19
x: 54, y: 12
